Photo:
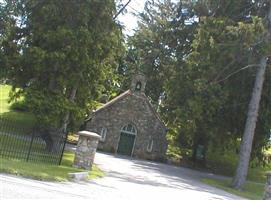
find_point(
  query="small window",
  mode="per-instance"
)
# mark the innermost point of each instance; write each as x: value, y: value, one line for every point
x: 129, y: 129
x: 103, y: 134
x: 150, y: 145
x: 138, y: 86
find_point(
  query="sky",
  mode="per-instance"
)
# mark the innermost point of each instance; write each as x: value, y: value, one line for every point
x: 128, y: 19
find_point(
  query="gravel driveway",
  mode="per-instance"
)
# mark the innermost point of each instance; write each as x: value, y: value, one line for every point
x: 126, y: 179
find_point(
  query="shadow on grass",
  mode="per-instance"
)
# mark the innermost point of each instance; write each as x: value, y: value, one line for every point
x: 21, y: 119
x: 253, y: 191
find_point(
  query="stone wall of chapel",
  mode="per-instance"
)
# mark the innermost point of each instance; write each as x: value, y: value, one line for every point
x: 136, y: 111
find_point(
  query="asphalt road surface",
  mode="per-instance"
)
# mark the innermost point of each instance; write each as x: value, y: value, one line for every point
x: 126, y: 179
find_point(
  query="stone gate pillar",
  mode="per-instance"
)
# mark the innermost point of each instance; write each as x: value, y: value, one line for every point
x: 86, y: 149
x: 267, y: 192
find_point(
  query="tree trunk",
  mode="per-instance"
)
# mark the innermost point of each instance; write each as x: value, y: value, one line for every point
x: 253, y: 109
x: 57, y: 135
x: 67, y: 116
x: 71, y: 99
x: 247, y: 140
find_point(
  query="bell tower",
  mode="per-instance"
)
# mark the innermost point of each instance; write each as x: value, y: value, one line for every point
x: 138, y: 83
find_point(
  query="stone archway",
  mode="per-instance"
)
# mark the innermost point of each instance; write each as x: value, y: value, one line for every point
x: 127, y: 140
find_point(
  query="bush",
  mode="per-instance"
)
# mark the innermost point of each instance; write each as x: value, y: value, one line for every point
x: 19, y: 106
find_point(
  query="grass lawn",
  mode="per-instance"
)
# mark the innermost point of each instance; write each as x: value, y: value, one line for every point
x: 226, y: 165
x: 42, y: 171
x: 39, y: 171
x: 17, y: 146
x: 252, y: 191
x: 258, y: 174
x: 4, y: 91
x: 21, y: 118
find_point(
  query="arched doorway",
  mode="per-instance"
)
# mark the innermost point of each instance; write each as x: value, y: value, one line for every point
x: 127, y: 140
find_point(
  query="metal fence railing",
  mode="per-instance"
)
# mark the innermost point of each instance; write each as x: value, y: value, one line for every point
x: 29, y: 143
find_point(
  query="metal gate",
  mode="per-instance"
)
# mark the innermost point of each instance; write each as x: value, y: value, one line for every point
x: 30, y: 144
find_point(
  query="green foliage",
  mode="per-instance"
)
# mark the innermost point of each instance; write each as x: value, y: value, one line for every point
x: 161, y: 38
x: 215, y: 106
x: 67, y: 50
x: 203, y: 97
x: 20, y: 106
x: 225, y: 163
x: 66, y: 56
x: 48, y: 107
x: 203, y: 71
x: 221, y: 48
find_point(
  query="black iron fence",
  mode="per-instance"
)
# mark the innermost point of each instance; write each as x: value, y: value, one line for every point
x: 32, y: 144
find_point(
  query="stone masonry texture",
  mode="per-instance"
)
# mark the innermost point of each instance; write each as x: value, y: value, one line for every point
x: 131, y: 107
x: 85, y: 151
x: 267, y: 193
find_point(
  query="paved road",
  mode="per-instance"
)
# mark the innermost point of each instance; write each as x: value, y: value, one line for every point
x: 126, y: 180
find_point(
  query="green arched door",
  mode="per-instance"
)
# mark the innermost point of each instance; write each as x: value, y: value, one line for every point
x: 127, y: 140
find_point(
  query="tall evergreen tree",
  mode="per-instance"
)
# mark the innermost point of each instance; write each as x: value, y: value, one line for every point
x: 200, y: 66
x: 67, y: 50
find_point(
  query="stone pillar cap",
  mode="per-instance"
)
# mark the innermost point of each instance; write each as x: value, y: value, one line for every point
x: 268, y: 173
x: 89, y: 134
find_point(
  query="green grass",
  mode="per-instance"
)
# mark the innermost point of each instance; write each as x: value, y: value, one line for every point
x: 18, y: 143
x: 41, y: 171
x: 4, y: 94
x: 21, y: 118
x: 24, y: 119
x: 252, y: 191
x: 226, y: 165
x: 23, y: 122
x: 258, y: 174
x: 14, y: 146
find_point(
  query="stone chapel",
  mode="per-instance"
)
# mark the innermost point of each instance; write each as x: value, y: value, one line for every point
x: 129, y: 125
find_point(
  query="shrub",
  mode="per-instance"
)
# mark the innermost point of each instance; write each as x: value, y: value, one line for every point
x: 19, y: 106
